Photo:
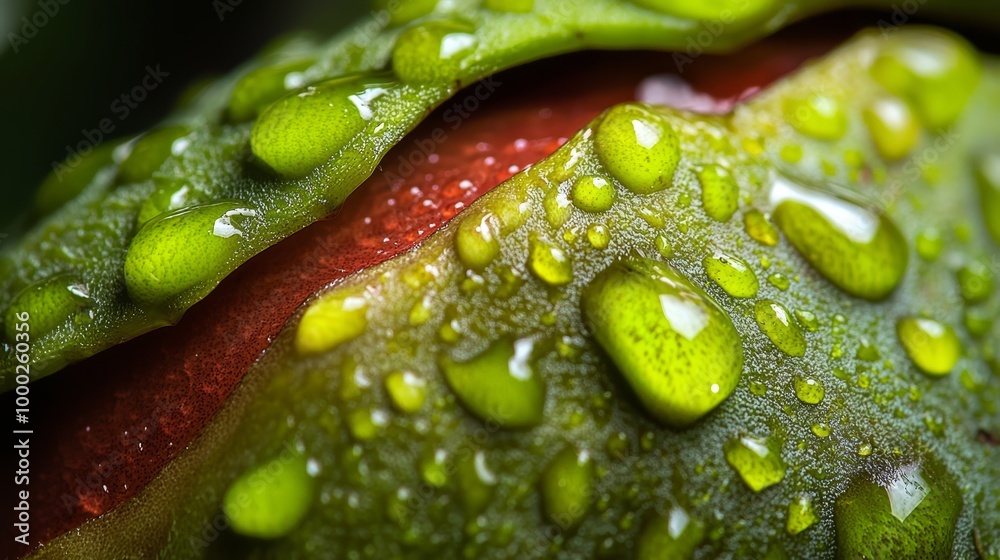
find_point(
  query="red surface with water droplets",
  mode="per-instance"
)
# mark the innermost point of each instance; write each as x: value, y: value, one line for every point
x: 106, y: 426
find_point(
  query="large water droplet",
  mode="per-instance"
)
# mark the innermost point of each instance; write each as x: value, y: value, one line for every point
x: 332, y: 320
x: 673, y: 344
x: 501, y: 384
x: 759, y: 227
x: 859, y: 250
x: 801, y: 514
x: 934, y: 347
x: 270, y: 500
x: 909, y: 512
x: 262, y: 86
x: 671, y: 537
x: 48, y: 303
x: 568, y: 487
x: 892, y: 126
x: 303, y: 130
x: 435, y: 52
x: 149, y: 152
x: 935, y: 70
x: 638, y: 147
x: 777, y: 323
x: 818, y: 116
x: 732, y: 274
x: 69, y: 178
x: 184, y: 253
x: 757, y: 461
x: 988, y: 177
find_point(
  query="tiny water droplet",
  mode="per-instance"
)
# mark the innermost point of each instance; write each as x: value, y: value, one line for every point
x: 732, y: 274
x: 757, y: 461
x: 777, y: 323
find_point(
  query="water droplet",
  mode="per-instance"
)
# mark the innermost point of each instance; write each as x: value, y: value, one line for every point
x: 149, y: 152
x: 674, y: 536
x: 273, y: 509
x: 807, y: 319
x: 66, y: 180
x: 975, y: 282
x: 262, y: 86
x: 909, y: 512
x: 366, y: 423
x: 777, y: 323
x: 760, y: 228
x: 859, y: 250
x: 477, y: 482
x: 757, y: 461
x: 818, y: 116
x: 934, y: 347
x: 568, y: 487
x: 732, y: 274
x: 477, y: 240
x: 720, y: 196
x: 49, y: 303
x: 779, y: 281
x: 638, y: 147
x: 892, y: 126
x: 929, y: 244
x: 598, y: 236
x: 500, y: 385
x: 549, y: 263
x: 302, y: 131
x: 868, y: 351
x: 801, y: 514
x: 180, y: 255
x: 674, y: 345
x: 733, y: 11
x: 593, y: 194
x: 809, y: 390
x: 663, y: 246
x: 820, y: 429
x: 434, y: 466
x: 435, y: 52
x: 935, y: 70
x: 331, y: 320
x: 169, y: 195
x: 988, y: 178
x: 977, y: 321
x: 407, y: 390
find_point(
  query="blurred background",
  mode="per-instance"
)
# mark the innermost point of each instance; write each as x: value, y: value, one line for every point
x: 63, y: 77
